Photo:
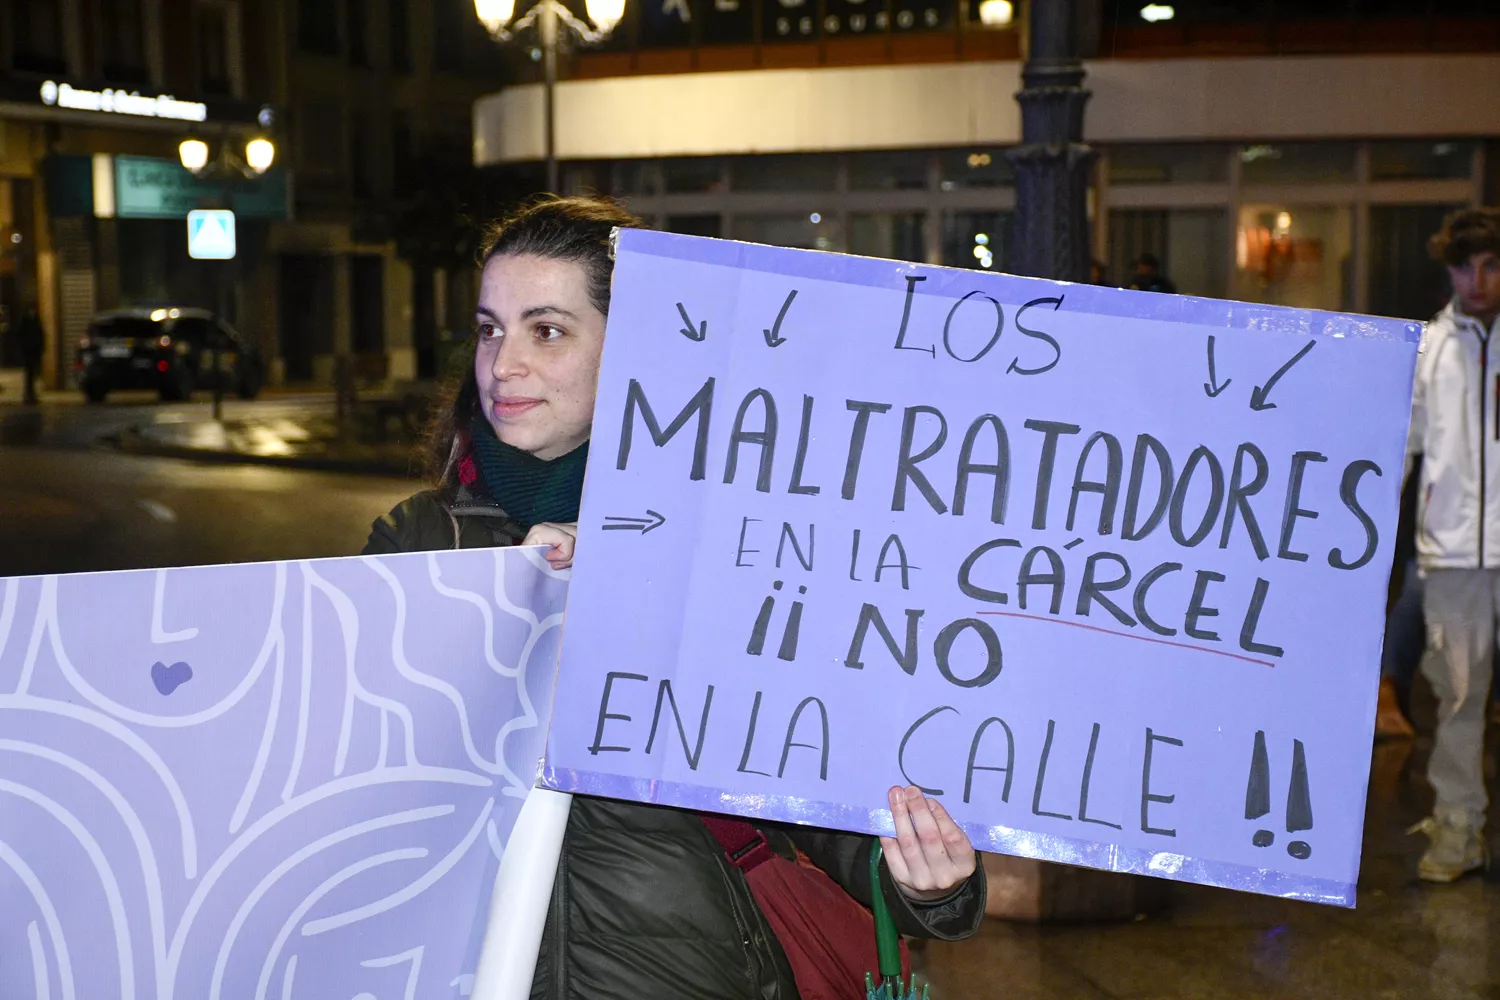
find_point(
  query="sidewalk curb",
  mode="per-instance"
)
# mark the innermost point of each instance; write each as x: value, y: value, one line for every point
x: 132, y: 442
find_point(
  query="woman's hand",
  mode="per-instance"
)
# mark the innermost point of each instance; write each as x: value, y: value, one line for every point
x: 929, y: 856
x: 562, y: 538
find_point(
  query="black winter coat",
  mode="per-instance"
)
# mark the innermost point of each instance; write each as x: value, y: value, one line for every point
x: 645, y: 903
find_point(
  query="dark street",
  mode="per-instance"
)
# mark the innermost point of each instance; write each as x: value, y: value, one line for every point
x: 73, y: 503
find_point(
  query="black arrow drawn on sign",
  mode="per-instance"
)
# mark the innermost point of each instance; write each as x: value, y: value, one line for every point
x: 1259, y: 393
x: 641, y: 524
x: 687, y: 331
x: 773, y: 335
x: 1212, y: 386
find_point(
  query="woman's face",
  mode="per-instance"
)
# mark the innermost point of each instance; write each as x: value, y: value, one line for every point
x: 537, y: 363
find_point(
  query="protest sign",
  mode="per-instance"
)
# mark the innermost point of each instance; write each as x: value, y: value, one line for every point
x: 1104, y: 570
x: 274, y: 780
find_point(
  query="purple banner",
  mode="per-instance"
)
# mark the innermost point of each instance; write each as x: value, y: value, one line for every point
x: 1105, y: 570
x: 278, y: 780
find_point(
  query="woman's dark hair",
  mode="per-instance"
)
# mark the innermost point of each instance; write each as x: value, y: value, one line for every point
x: 1465, y: 233
x: 572, y: 229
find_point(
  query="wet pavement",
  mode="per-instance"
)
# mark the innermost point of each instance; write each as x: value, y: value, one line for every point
x: 1405, y: 938
x: 71, y: 502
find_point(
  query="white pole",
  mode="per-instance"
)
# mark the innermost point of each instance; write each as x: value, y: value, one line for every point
x: 521, y: 897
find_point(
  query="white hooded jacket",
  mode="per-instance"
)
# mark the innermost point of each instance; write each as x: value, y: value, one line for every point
x: 1455, y: 427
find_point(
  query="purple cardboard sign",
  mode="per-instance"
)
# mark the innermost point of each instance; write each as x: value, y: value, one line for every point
x: 1104, y: 570
x: 280, y: 780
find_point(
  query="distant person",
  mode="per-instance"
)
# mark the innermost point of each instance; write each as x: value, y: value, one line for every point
x: 1148, y: 276
x: 33, y: 342
x: 1458, y: 534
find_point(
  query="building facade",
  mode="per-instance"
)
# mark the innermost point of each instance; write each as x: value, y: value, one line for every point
x: 369, y: 104
x: 95, y: 96
x: 378, y: 97
x: 1301, y: 160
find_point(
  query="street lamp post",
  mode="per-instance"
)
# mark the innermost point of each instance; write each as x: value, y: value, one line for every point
x: 228, y: 167
x: 1052, y: 164
x: 549, y: 17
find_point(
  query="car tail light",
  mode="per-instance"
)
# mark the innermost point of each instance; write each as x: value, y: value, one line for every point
x: 162, y: 366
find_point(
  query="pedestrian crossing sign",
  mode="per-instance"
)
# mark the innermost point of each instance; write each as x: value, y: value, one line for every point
x: 211, y: 234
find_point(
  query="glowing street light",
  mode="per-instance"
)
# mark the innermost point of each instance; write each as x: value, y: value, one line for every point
x: 494, y: 14
x: 1154, y: 12
x: 260, y: 153
x: 193, y: 153
x: 547, y: 16
x: 996, y: 13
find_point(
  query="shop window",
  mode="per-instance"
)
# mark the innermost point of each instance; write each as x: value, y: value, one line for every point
x: 897, y: 236
x: 123, y: 42
x: 1169, y: 164
x: 693, y: 175
x: 789, y: 172
x: 812, y: 231
x: 318, y: 27
x: 1294, y: 255
x: 897, y: 171
x: 1192, y: 246
x: 1297, y: 163
x: 975, y: 168
x: 36, y: 37
x: 400, y: 27
x: 979, y: 240
x: 1404, y: 279
x: 1426, y: 160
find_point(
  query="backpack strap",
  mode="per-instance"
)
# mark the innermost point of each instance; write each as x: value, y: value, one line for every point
x: 745, y: 847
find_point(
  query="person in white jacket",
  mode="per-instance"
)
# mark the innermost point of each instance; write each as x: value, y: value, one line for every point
x: 1455, y: 426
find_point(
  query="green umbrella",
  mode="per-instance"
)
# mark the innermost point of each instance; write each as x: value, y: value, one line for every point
x: 887, y: 945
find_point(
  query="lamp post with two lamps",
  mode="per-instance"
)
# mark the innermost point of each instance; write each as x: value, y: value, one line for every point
x: 229, y: 167
x: 548, y: 17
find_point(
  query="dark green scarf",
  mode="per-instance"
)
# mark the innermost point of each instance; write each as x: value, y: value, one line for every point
x: 531, y: 490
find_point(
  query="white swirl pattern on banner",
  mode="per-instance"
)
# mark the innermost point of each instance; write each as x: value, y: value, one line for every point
x: 266, y: 780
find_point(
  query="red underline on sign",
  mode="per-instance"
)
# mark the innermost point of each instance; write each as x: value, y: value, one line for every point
x: 1129, y: 635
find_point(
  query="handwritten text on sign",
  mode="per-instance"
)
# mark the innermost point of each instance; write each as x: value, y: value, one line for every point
x: 1105, y: 570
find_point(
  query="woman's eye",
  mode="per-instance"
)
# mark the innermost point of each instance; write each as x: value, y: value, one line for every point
x: 486, y: 331
x: 548, y: 333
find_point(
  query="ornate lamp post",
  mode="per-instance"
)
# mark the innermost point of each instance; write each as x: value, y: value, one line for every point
x: 228, y: 167
x: 1052, y: 164
x: 548, y: 16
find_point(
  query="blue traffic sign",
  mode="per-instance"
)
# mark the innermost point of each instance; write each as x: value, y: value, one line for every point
x: 211, y: 234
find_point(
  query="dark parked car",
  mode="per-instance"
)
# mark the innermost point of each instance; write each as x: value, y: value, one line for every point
x: 170, y: 350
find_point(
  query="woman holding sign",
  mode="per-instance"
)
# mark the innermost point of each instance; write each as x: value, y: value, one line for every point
x: 649, y: 901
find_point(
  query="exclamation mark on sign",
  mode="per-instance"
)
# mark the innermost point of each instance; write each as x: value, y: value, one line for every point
x: 1299, y: 814
x: 1258, y: 790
